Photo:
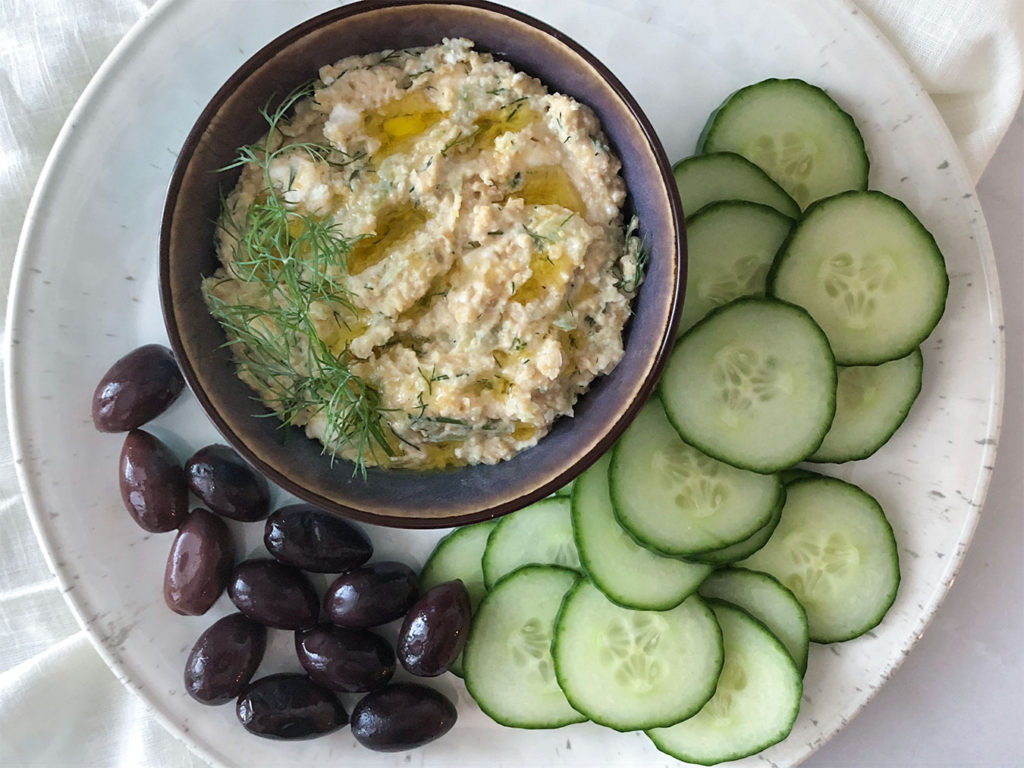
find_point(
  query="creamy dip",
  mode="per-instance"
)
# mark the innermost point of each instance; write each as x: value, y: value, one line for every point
x: 443, y: 266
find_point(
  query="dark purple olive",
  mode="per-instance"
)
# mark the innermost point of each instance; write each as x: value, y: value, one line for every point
x: 288, y: 706
x: 138, y: 387
x: 401, y: 716
x: 199, y: 564
x: 435, y: 629
x: 314, y: 540
x: 152, y: 484
x: 227, y: 485
x: 224, y: 659
x: 343, y: 659
x: 374, y: 594
x: 274, y: 594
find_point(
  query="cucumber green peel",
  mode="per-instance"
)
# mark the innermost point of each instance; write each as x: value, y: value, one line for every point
x: 796, y: 133
x: 835, y: 550
x: 705, y: 179
x: 869, y: 274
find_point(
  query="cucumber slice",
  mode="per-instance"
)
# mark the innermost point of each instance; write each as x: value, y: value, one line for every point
x: 768, y: 601
x: 796, y: 133
x: 507, y: 659
x: 868, y: 272
x: 704, y: 179
x: 632, y: 670
x: 835, y: 550
x: 755, y: 705
x: 566, y: 490
x: 796, y: 473
x: 748, y: 546
x: 752, y: 384
x: 540, y: 534
x: 457, y: 556
x: 730, y: 246
x: 627, y: 573
x: 676, y: 500
x: 871, y: 403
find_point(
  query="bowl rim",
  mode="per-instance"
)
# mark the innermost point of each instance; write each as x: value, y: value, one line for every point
x: 509, y: 504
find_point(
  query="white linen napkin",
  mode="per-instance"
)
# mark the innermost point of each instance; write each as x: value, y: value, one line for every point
x: 59, y: 704
x: 968, y: 55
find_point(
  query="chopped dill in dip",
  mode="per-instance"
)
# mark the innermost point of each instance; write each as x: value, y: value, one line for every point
x: 424, y: 262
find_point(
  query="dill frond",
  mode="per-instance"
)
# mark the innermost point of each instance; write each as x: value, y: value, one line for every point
x: 297, y: 259
x: 632, y: 269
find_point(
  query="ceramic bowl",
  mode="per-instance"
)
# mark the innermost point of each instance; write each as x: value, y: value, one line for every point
x: 406, y: 498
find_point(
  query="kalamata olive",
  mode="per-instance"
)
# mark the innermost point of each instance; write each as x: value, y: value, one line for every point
x: 314, y: 540
x: 199, y: 564
x: 138, y: 387
x: 435, y: 629
x: 224, y: 659
x: 401, y: 716
x: 288, y: 706
x: 227, y: 485
x: 274, y: 594
x: 152, y: 484
x: 343, y: 659
x: 374, y: 594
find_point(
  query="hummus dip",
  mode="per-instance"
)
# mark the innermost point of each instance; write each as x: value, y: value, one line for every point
x: 424, y: 262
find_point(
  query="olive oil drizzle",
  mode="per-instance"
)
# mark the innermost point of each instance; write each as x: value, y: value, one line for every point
x: 300, y: 259
x: 398, y: 124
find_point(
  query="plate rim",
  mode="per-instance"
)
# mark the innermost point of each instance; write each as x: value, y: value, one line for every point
x: 150, y: 23
x: 134, y: 37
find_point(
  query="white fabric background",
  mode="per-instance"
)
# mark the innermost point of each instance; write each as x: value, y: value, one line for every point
x: 59, y: 705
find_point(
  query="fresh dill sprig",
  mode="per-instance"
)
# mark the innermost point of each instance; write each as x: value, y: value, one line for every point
x: 460, y: 138
x: 539, y: 240
x: 632, y: 268
x: 264, y: 340
x: 513, y: 107
x: 297, y: 259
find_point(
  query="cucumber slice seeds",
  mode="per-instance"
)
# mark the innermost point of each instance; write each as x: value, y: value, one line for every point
x: 753, y: 384
x: 627, y: 573
x: 507, y: 659
x: 796, y: 133
x: 869, y: 274
x: 624, y: 668
x: 835, y: 550
x: 730, y: 247
x: 676, y: 500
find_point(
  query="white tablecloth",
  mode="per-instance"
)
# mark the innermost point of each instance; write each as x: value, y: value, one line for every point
x: 956, y: 702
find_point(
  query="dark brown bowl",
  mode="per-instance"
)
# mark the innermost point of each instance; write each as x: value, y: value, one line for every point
x: 285, y: 455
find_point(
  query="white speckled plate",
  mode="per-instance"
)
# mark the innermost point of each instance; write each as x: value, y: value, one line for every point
x: 85, y: 292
